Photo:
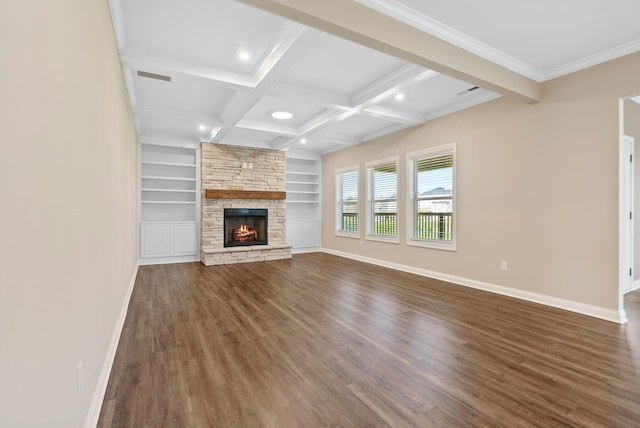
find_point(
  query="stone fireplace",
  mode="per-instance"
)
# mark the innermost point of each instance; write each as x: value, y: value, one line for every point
x: 243, y: 209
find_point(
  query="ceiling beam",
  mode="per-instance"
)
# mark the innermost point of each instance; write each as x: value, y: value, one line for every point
x: 368, y: 27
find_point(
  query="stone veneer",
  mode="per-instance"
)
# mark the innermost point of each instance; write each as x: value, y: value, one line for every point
x: 221, y: 168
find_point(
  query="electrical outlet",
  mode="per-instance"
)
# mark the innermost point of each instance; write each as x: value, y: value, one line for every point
x: 503, y: 266
x: 80, y: 374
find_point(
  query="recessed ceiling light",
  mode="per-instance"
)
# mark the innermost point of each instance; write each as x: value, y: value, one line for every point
x: 303, y: 141
x: 244, y: 55
x: 399, y: 97
x: 282, y: 115
x: 202, y: 127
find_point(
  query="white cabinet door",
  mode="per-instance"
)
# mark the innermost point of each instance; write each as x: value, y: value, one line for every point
x: 154, y: 240
x: 303, y: 233
x: 184, y: 239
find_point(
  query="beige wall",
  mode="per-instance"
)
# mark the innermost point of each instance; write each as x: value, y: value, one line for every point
x: 68, y: 197
x: 632, y: 129
x: 537, y: 186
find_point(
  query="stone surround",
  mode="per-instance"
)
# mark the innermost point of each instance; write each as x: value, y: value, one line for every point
x: 222, y: 168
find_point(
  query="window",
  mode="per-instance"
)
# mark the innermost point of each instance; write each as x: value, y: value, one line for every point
x: 382, y: 200
x: 347, y: 201
x: 432, y: 197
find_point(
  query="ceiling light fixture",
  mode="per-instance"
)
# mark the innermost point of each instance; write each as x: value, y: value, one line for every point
x: 202, y: 128
x: 282, y: 115
x: 244, y: 55
x: 303, y: 141
x: 399, y: 97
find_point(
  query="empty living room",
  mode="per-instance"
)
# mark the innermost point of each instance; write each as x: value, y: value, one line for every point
x: 337, y: 213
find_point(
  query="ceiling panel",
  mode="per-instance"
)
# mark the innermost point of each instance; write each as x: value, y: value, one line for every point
x: 544, y: 34
x: 336, y: 66
x: 359, y: 126
x: 239, y: 136
x: 432, y: 94
x: 184, y: 93
x: 209, y: 32
x: 302, y: 112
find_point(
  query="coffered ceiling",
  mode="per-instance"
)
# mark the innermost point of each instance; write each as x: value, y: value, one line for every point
x: 216, y: 70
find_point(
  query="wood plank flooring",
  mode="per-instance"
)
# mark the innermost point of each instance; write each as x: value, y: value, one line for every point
x: 323, y: 341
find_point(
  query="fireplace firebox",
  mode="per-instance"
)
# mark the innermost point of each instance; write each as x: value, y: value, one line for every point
x: 245, y: 226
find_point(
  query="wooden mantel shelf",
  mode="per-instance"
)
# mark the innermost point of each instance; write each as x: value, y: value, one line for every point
x: 243, y: 194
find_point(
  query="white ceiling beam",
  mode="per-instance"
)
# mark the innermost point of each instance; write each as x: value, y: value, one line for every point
x: 332, y: 137
x: 398, y: 81
x: 407, y: 117
x: 272, y: 128
x: 363, y: 25
x: 139, y: 59
x: 311, y: 96
x: 177, y: 114
x: 243, y: 101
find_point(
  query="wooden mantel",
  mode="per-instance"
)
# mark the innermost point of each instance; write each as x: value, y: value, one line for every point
x: 243, y: 194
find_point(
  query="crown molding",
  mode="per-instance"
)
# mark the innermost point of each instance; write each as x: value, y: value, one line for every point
x: 589, y: 61
x: 118, y: 23
x: 461, y: 105
x: 410, y: 16
x: 436, y: 28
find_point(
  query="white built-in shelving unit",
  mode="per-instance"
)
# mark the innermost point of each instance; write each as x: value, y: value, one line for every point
x: 169, y: 201
x: 303, y: 202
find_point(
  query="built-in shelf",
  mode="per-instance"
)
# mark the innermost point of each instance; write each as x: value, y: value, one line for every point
x: 314, y: 174
x: 302, y: 182
x: 303, y: 202
x: 169, y: 190
x: 169, y: 203
x: 167, y: 164
x: 149, y: 177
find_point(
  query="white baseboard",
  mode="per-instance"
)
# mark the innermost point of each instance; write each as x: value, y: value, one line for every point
x: 618, y: 317
x: 101, y: 388
x: 168, y: 260
x: 302, y: 250
x: 636, y: 285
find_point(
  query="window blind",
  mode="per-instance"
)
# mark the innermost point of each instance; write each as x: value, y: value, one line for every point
x: 383, y: 200
x: 432, y: 198
x: 347, y: 201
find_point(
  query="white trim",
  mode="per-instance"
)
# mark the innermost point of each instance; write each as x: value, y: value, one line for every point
x: 352, y: 235
x: 169, y: 259
x: 418, y: 20
x: 368, y: 208
x: 444, y: 149
x: 636, y: 285
x: 409, y: 16
x: 590, y: 61
x: 381, y: 238
x: 93, y: 415
x: 337, y: 188
x: 302, y: 250
x: 569, y: 305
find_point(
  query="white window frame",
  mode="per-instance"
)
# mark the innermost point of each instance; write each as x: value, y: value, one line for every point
x: 338, y: 199
x: 368, y: 211
x: 422, y: 154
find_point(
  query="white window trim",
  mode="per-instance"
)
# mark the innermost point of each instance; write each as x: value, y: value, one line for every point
x: 338, y: 232
x: 431, y: 152
x: 369, y: 237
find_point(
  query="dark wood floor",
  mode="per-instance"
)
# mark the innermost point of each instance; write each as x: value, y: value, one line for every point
x: 325, y: 341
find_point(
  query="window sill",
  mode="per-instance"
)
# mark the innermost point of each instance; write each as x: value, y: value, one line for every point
x: 355, y: 235
x: 431, y: 244
x: 390, y: 240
